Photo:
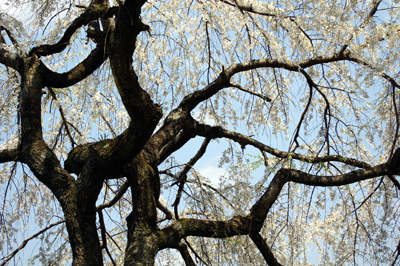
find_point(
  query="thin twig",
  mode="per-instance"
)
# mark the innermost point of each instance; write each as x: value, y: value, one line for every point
x: 9, y: 257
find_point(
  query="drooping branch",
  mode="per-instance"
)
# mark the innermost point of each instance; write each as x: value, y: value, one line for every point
x: 327, y: 109
x: 65, y: 122
x: 197, y: 128
x: 261, y: 208
x: 302, y: 117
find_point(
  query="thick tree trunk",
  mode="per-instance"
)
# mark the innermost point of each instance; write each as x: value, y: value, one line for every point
x: 81, y: 226
x: 142, y: 243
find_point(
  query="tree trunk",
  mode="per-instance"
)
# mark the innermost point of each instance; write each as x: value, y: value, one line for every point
x: 142, y: 222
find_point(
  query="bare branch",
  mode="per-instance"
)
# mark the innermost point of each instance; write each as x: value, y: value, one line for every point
x: 164, y: 209
x: 181, y: 228
x: 174, y: 145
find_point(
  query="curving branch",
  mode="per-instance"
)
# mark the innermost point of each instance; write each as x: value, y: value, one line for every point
x: 261, y: 208
x: 93, y: 12
x: 76, y: 74
x: 223, y: 80
x: 163, y: 141
x: 143, y: 112
x: 197, y: 128
x: 33, y: 149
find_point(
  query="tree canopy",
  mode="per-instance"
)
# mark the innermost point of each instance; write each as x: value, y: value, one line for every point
x: 98, y: 99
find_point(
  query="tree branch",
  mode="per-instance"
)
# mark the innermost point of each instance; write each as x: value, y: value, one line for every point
x: 264, y: 249
x: 218, y: 132
x: 183, y: 250
x: 78, y: 73
x: 11, y: 59
x: 93, y: 12
x: 173, y: 124
x: 65, y: 122
x: 174, y: 145
x: 164, y: 209
x: 183, y: 175
x: 116, y: 198
x: 261, y: 208
x: 181, y: 228
x: 265, y: 98
x: 10, y: 35
x: 9, y: 155
x: 9, y: 257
